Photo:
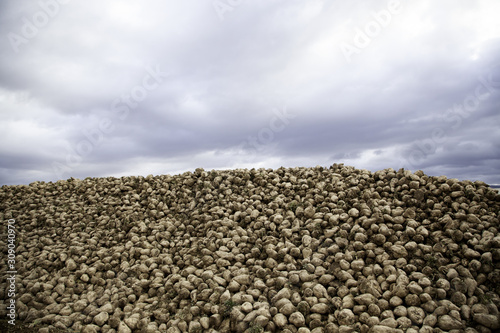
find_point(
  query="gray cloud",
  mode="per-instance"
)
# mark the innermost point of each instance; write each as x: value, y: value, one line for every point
x: 79, y: 99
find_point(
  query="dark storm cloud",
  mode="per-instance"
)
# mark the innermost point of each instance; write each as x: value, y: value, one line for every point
x: 123, y: 88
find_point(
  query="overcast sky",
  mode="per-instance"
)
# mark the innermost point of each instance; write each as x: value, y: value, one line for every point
x: 117, y: 88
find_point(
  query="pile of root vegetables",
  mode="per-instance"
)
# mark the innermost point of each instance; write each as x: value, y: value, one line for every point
x: 333, y: 249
